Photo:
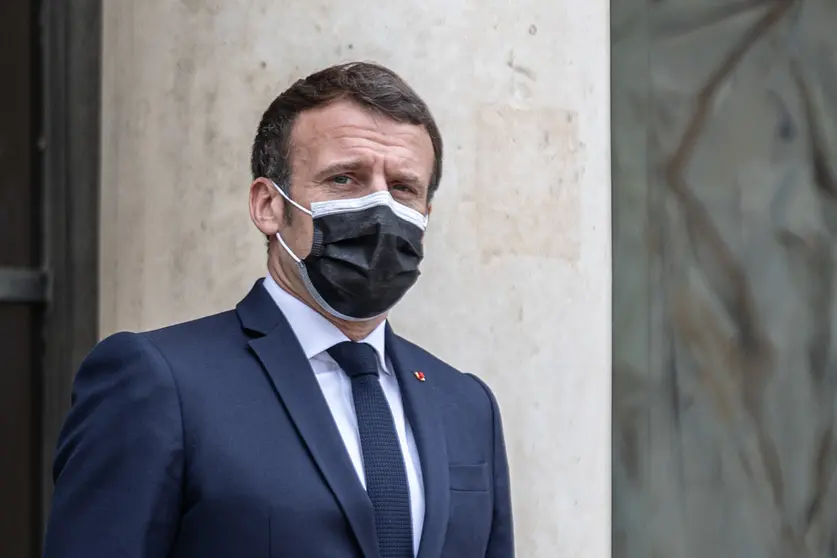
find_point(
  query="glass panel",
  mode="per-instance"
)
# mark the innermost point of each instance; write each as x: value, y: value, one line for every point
x: 725, y: 221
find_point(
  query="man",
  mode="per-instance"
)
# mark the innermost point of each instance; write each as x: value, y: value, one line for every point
x: 299, y: 424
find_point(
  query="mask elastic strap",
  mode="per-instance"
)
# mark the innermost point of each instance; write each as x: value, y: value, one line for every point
x: 289, y: 200
x: 288, y: 250
x: 279, y: 236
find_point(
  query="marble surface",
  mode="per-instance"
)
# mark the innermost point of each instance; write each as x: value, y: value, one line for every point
x: 725, y: 220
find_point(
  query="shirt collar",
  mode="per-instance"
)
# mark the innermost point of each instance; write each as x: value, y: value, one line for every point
x: 315, y: 333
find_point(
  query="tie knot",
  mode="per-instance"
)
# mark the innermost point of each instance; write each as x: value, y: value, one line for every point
x: 356, y: 359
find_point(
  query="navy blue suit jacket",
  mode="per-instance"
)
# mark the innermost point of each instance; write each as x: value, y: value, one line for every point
x: 212, y: 439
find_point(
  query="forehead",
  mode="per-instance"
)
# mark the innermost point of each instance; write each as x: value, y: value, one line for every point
x: 344, y: 128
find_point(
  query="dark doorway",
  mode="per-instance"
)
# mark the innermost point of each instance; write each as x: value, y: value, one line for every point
x: 21, y: 284
x: 49, y: 189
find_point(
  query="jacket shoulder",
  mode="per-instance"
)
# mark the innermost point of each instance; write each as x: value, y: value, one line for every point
x: 194, y: 339
x: 439, y: 371
x: 206, y: 334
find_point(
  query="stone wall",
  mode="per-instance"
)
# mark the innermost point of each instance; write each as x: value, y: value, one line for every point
x: 516, y: 285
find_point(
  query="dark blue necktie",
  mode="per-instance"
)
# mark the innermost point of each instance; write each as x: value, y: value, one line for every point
x: 383, y: 462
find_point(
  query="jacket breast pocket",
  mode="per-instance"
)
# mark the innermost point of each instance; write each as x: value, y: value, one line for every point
x: 471, y: 509
x: 469, y: 478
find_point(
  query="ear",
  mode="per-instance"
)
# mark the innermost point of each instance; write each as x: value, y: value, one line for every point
x: 429, y: 209
x: 266, y: 207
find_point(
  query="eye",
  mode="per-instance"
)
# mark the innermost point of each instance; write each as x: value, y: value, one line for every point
x: 402, y: 188
x: 342, y: 179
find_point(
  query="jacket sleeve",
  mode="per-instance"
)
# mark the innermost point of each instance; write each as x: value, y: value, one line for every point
x: 501, y: 540
x: 118, y: 468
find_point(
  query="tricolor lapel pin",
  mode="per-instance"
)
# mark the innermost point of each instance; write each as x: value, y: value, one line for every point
x: 419, y: 376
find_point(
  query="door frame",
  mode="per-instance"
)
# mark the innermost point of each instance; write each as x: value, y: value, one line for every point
x: 71, y: 55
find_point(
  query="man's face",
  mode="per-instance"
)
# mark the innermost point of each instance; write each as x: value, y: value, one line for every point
x: 345, y: 151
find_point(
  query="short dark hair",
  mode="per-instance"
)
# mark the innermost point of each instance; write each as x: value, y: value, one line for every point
x: 370, y: 85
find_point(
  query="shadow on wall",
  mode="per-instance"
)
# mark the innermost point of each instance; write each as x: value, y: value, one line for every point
x: 725, y: 220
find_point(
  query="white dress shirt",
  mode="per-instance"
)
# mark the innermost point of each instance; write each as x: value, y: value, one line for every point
x: 316, y: 335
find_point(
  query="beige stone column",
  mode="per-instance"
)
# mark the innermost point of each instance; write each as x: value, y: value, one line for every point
x: 516, y: 286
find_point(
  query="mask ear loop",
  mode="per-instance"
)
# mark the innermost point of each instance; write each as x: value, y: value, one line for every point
x: 289, y: 200
x: 279, y: 236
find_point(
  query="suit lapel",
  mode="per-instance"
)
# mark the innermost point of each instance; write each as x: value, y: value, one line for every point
x: 282, y: 357
x: 426, y: 423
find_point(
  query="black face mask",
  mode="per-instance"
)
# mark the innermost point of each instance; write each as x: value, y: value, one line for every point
x: 365, y: 254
